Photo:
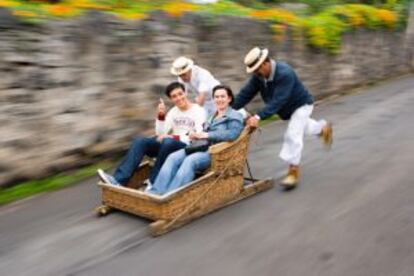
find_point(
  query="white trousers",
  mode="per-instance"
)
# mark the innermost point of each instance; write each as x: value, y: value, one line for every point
x: 300, y: 124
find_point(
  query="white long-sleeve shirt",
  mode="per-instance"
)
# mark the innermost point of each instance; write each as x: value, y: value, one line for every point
x: 180, y: 123
x: 202, y: 81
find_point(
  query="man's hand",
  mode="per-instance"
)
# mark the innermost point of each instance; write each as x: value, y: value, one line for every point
x: 253, y: 121
x: 161, y: 107
x: 162, y: 137
x: 198, y: 135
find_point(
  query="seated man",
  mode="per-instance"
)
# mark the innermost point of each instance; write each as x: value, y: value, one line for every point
x: 183, y: 118
x: 226, y: 124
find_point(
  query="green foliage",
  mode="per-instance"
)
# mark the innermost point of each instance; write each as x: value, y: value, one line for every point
x: 319, y: 5
x: 252, y: 3
x: 324, y: 31
x: 226, y: 7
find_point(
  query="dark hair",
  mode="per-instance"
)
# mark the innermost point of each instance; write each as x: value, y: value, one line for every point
x: 172, y: 86
x: 228, y: 90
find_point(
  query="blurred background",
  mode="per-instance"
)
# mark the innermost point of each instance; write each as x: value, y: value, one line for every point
x: 80, y: 78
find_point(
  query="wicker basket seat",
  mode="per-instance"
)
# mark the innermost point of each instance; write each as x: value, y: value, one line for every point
x: 222, y: 184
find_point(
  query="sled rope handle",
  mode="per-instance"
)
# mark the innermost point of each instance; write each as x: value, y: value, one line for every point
x: 201, y: 196
x: 257, y: 137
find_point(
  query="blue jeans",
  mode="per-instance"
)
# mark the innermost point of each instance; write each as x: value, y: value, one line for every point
x: 179, y: 169
x: 145, y: 146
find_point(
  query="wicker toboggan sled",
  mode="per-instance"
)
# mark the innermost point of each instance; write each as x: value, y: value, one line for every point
x: 222, y: 184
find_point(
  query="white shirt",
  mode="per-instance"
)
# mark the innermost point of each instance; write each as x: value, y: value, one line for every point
x: 202, y: 81
x: 178, y: 122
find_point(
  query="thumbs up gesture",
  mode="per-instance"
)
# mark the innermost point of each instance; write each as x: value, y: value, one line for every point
x: 161, y: 107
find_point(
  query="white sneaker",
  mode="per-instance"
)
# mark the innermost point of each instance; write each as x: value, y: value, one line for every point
x: 149, y: 185
x: 107, y: 178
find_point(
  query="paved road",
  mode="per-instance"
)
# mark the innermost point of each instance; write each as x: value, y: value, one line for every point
x: 353, y: 213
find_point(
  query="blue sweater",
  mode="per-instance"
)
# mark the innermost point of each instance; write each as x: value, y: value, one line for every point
x: 282, y: 95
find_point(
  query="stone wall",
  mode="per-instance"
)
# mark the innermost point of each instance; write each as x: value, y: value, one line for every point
x: 72, y: 91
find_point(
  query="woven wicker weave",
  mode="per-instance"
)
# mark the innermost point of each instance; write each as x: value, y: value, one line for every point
x: 220, y: 185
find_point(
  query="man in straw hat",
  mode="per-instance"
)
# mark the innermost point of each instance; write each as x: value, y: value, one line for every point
x: 285, y: 95
x: 197, y: 80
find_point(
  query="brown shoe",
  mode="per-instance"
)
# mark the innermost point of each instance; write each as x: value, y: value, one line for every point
x: 327, y: 135
x: 291, y: 180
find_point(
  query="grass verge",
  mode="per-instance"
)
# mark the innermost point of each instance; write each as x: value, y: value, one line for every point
x: 32, y: 187
x: 272, y: 118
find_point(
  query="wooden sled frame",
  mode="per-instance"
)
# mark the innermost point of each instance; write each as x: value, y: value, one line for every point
x: 221, y: 185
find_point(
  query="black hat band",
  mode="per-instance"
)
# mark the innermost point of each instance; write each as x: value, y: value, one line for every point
x: 253, y: 63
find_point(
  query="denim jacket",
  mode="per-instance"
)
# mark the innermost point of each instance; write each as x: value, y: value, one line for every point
x: 226, y: 128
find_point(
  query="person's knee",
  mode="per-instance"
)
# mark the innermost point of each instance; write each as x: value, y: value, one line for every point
x: 293, y: 137
x: 189, y: 163
x: 289, y: 136
x: 294, y: 133
x: 168, y: 143
x: 139, y: 141
x: 196, y: 162
x: 173, y: 158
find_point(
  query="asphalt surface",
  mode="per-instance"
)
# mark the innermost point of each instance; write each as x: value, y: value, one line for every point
x: 353, y: 213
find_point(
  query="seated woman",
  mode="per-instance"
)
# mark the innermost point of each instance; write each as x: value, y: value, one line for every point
x: 225, y: 125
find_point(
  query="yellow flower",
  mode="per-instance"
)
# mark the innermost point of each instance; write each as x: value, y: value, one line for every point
x: 86, y: 4
x: 24, y: 13
x: 318, y: 37
x: 353, y: 17
x: 178, y: 8
x: 61, y: 10
x: 131, y: 15
x: 279, y: 30
x: 9, y: 3
x: 387, y: 17
x: 356, y: 20
x: 261, y: 14
x: 275, y: 14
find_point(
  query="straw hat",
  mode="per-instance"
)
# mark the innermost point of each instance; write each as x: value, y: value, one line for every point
x: 255, y: 58
x: 181, y: 65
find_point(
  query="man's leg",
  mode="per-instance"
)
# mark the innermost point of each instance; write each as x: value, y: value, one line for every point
x: 321, y: 128
x: 293, y: 139
x: 167, y: 172
x: 313, y: 127
x: 293, y: 144
x: 168, y: 146
x: 139, y: 147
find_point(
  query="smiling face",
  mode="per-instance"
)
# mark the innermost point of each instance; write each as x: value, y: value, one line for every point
x: 186, y: 77
x: 179, y: 98
x: 222, y: 99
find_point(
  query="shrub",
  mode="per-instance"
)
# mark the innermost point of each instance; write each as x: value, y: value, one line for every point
x: 322, y: 30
